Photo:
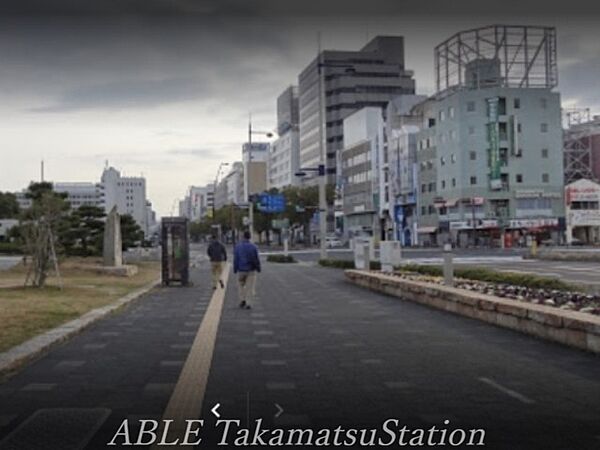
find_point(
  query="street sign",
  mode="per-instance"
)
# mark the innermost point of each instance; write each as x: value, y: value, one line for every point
x: 271, y: 203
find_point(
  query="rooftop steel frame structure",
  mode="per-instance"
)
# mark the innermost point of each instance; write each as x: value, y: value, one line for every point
x: 578, y: 144
x: 497, y: 55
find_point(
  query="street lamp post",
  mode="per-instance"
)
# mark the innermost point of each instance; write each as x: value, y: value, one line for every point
x: 221, y: 165
x: 322, y: 173
x: 247, y: 175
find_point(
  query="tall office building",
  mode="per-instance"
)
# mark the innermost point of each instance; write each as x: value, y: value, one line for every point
x: 336, y: 84
x: 230, y: 189
x: 348, y: 81
x: 81, y: 194
x: 284, y: 153
x: 402, y: 125
x: 128, y: 194
x: 255, y: 160
x: 490, y: 147
x: 362, y: 171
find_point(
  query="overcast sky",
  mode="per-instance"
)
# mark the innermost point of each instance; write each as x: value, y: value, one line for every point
x: 165, y: 90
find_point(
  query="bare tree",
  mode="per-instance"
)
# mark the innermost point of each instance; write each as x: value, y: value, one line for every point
x: 38, y: 229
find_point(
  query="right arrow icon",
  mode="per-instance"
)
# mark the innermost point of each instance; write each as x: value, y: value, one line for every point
x: 279, y: 410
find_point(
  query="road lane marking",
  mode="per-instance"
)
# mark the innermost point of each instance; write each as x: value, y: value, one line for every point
x: 507, y: 391
x: 188, y: 395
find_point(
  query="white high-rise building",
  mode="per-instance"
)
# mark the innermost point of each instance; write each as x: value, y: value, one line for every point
x: 284, y: 154
x: 82, y: 194
x: 199, y: 201
x: 128, y: 194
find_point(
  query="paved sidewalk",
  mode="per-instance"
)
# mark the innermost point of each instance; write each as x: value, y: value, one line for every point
x: 333, y: 354
x: 124, y: 366
x: 326, y: 352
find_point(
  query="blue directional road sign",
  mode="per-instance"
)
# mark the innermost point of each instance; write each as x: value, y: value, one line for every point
x: 271, y: 203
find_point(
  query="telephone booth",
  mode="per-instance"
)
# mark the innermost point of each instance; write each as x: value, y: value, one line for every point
x: 175, y: 242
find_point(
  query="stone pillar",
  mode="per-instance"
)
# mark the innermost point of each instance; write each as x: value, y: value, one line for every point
x: 113, y: 251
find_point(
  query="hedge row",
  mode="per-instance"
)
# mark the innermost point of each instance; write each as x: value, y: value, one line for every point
x: 346, y: 264
x: 492, y: 276
x: 281, y: 259
x: 10, y: 248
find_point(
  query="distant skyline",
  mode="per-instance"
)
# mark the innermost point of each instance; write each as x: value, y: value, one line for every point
x: 168, y: 95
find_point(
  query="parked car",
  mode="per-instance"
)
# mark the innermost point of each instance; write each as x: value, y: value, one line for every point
x: 332, y: 241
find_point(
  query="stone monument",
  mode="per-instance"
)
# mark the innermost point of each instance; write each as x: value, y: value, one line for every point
x: 113, y: 251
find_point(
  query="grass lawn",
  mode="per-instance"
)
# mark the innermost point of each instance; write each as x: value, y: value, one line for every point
x: 26, y: 312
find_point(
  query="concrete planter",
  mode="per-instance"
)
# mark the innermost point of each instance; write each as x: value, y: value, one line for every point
x: 567, y: 327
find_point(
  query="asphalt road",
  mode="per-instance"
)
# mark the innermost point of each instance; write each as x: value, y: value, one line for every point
x: 510, y: 260
x: 325, y: 352
x: 6, y: 262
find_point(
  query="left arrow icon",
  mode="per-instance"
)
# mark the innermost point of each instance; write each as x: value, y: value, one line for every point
x: 214, y: 410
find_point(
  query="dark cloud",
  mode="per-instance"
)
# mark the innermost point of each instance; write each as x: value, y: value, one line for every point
x: 278, y: 8
x: 128, y: 94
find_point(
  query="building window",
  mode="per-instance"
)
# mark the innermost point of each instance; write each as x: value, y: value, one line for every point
x: 453, y: 182
x: 519, y: 178
x: 517, y: 103
x: 544, y: 127
x: 443, y: 160
x: 442, y: 115
x: 470, y: 106
x: 471, y: 130
x: 452, y: 135
x: 431, y: 209
x: 423, y: 187
x: 453, y: 158
x: 451, y: 112
x: 431, y: 187
x: 423, y: 211
x: 519, y: 127
x: 473, y: 180
x: 473, y: 155
x: 544, y: 153
x: 545, y: 178
x: 443, y: 184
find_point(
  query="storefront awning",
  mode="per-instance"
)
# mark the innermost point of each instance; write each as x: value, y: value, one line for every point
x: 441, y: 203
x: 425, y: 230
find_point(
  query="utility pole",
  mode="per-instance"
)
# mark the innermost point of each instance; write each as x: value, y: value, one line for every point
x: 322, y: 162
x: 250, y: 198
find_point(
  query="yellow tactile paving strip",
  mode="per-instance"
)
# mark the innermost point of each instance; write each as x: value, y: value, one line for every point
x: 186, y: 401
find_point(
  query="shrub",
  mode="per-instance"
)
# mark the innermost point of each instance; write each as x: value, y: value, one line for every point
x: 281, y: 259
x: 346, y: 264
x: 337, y: 263
x: 10, y: 248
x: 375, y: 265
x: 492, y: 276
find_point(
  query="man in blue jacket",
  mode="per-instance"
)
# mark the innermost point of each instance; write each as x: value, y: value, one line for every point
x: 246, y: 264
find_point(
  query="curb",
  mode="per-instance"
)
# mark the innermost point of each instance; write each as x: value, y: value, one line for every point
x: 18, y: 356
x: 571, y: 328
